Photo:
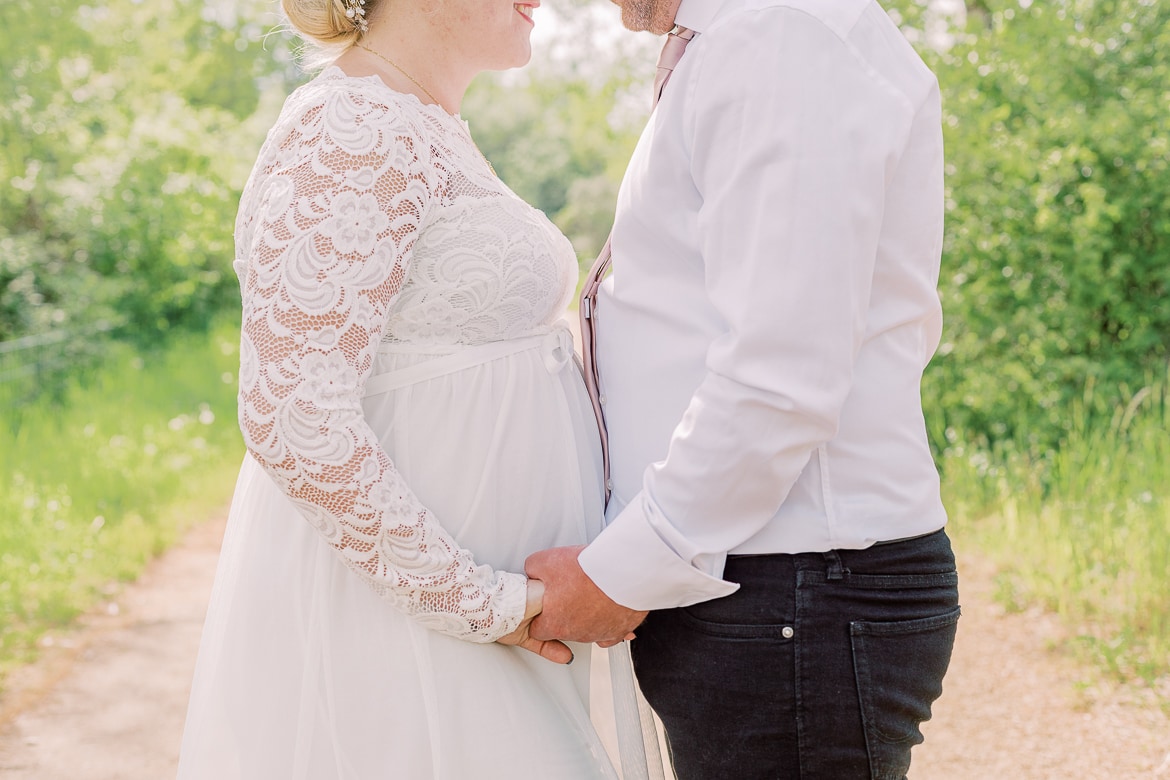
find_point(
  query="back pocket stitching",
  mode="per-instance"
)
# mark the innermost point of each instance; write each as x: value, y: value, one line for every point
x: 859, y: 630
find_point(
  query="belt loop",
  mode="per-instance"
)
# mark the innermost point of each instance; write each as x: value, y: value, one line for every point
x: 834, y: 569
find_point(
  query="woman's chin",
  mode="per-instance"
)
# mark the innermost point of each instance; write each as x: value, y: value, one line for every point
x: 515, y: 59
x: 523, y: 54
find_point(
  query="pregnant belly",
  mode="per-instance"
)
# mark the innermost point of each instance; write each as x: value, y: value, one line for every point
x: 504, y: 453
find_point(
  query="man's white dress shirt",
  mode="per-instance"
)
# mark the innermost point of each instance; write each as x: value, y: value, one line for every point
x: 761, y: 342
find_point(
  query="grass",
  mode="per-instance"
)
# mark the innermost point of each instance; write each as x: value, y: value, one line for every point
x: 95, y: 485
x: 1084, y: 529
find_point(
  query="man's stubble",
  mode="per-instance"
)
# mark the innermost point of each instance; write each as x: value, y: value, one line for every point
x: 656, y: 16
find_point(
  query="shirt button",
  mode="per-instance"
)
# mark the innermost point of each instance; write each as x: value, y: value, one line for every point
x: 601, y: 400
x: 609, y: 485
x: 786, y: 632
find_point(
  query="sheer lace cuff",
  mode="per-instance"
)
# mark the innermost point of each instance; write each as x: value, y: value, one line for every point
x: 509, y: 595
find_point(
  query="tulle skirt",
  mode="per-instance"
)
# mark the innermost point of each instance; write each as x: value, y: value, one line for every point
x: 305, y: 674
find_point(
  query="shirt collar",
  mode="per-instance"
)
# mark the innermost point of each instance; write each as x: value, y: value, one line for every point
x: 697, y: 14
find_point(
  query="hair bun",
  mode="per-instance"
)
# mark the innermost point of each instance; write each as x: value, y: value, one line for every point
x: 324, y: 22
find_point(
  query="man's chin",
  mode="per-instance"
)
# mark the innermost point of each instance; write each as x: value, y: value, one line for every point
x: 654, y: 16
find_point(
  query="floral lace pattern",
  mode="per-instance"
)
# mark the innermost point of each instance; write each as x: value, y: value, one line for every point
x: 372, y: 218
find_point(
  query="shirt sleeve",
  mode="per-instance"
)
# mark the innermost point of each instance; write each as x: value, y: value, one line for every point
x: 792, y: 139
x: 325, y: 234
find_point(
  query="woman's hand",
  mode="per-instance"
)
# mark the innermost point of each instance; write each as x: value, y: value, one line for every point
x: 553, y: 649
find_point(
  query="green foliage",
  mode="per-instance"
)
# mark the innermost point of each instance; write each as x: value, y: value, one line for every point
x: 1056, y: 264
x: 92, y: 489
x: 125, y: 136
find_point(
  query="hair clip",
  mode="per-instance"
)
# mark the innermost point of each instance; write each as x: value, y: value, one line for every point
x: 355, y: 11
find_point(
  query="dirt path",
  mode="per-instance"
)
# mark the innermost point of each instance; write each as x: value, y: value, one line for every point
x: 107, y: 701
x: 1015, y: 709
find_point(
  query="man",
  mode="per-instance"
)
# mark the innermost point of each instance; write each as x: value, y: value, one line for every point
x: 760, y: 346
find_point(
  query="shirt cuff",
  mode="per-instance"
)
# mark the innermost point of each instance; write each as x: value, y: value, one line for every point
x: 635, y: 567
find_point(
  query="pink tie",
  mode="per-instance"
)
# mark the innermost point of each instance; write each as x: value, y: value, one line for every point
x: 672, y: 52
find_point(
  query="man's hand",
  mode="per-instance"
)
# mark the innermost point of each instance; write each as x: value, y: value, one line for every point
x: 557, y: 652
x: 575, y: 609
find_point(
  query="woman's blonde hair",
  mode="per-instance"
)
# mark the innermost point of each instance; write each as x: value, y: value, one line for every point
x: 324, y: 25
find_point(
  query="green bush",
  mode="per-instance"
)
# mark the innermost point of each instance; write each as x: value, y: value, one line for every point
x: 1056, y: 264
x: 125, y: 135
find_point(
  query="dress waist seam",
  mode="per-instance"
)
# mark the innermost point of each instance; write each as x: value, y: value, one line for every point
x: 556, y: 348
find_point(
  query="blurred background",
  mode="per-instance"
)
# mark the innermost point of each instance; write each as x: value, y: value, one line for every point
x: 127, y: 129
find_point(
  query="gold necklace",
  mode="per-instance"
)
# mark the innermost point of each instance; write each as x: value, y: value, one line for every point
x: 427, y: 92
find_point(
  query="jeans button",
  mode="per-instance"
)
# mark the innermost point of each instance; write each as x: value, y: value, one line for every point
x: 786, y: 632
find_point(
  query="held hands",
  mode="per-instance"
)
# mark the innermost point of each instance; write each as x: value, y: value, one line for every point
x: 553, y: 650
x: 574, y: 608
x: 563, y: 603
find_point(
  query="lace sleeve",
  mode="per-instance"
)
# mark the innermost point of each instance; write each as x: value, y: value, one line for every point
x: 325, y: 233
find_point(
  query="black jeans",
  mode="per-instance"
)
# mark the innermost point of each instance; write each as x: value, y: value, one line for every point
x: 820, y: 667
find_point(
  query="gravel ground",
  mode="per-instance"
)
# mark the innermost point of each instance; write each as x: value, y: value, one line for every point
x: 107, y: 700
x: 1014, y: 707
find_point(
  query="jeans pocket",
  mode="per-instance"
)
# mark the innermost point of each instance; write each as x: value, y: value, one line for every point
x: 900, y: 667
x: 748, y: 631
x: 760, y: 609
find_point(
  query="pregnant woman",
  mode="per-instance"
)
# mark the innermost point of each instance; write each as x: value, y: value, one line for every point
x: 415, y: 427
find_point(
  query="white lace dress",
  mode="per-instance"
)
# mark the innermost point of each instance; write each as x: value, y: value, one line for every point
x: 416, y: 427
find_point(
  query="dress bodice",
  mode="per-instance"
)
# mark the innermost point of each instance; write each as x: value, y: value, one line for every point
x: 485, y: 265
